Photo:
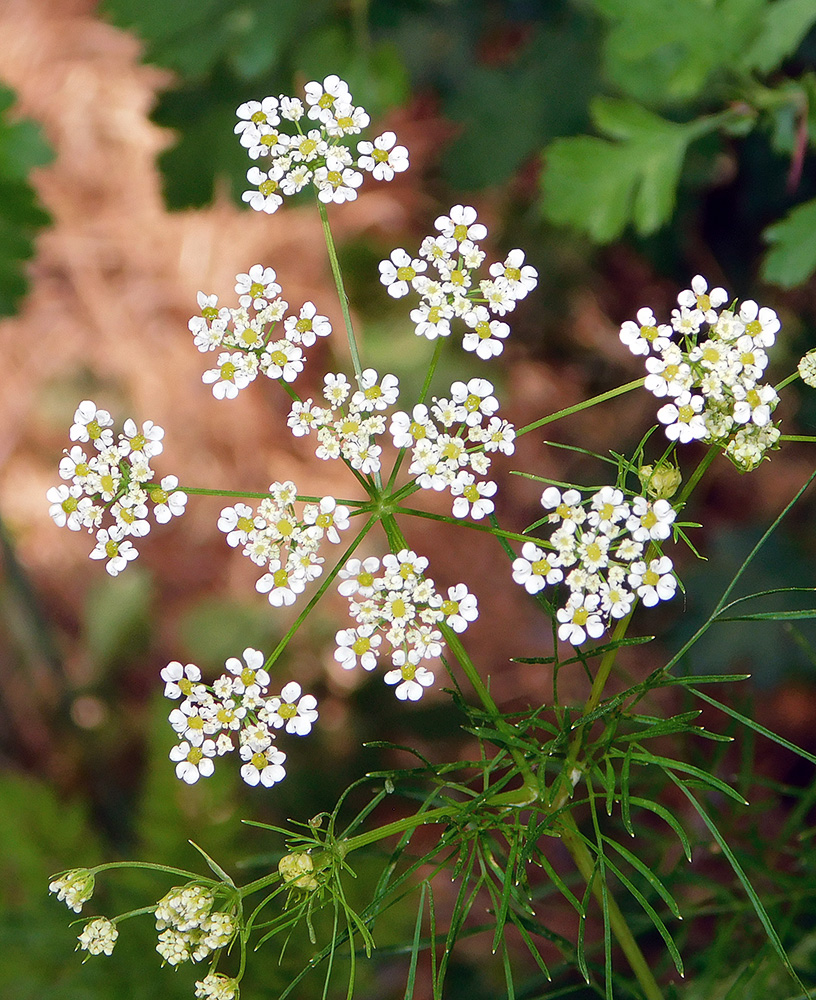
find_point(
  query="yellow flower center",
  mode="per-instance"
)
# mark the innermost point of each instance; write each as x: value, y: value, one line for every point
x: 416, y: 431
x: 405, y: 273
x: 248, y: 676
x: 541, y: 567
x: 259, y: 760
x: 335, y: 178
x: 450, y: 608
x: 398, y: 608
x: 471, y: 493
x: 361, y: 645
x: 365, y: 579
x: 280, y: 577
x: 285, y: 527
x: 649, y: 333
x: 483, y: 329
x: 380, y: 156
x: 268, y: 187
x: 303, y: 325
x: 159, y: 496
x: 111, y: 549
x: 245, y: 524
x: 94, y: 430
x: 308, y: 146
x: 107, y: 483
x: 227, y: 371
x: 256, y: 289
x: 195, y: 756
x: 472, y: 402
x: 69, y: 504
x: 324, y: 520
x: 287, y: 711
x: 460, y: 232
x: 512, y: 273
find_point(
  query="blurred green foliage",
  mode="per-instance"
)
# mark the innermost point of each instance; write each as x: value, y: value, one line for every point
x: 22, y: 147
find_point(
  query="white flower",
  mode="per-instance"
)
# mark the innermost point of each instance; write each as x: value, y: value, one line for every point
x: 336, y: 183
x: 264, y: 766
x: 336, y: 388
x: 148, y: 440
x: 432, y: 319
x: 343, y: 119
x: 91, y: 424
x: 180, y: 680
x: 654, y: 582
x: 806, y: 369
x: 252, y: 679
x: 382, y: 158
x: 169, y: 501
x: 460, y: 224
x: 98, y: 936
x: 281, y: 585
x: 237, y: 523
x: 459, y: 608
x: 360, y: 642
x: 535, y: 568
x: 650, y: 520
x: 266, y: 197
x: 700, y: 297
x: 282, y: 359
x: 373, y: 394
x: 328, y: 516
x: 579, y: 619
x: 65, y: 506
x: 472, y: 497
x: 761, y: 324
x: 109, y: 545
x: 193, y: 762
x: 256, y: 113
x: 486, y: 334
x: 319, y: 97
x: 411, y: 679
x: 607, y: 509
x: 683, y: 419
x: 475, y: 400
x: 639, y: 337
x: 399, y: 271
x: 358, y: 577
x: 754, y: 404
x: 257, y: 287
x: 521, y: 278
x: 234, y: 372
x: 296, y: 712
x: 307, y: 326
x: 405, y: 429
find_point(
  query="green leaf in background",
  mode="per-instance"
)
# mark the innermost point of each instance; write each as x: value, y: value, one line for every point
x: 792, y: 257
x: 22, y: 147
x: 662, y: 50
x: 783, y: 26
x: 598, y: 186
x: 527, y: 104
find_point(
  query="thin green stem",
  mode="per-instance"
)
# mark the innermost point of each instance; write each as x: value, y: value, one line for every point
x: 320, y: 592
x: 426, y: 385
x: 341, y: 290
x: 488, y: 529
x: 572, y: 840
x: 577, y: 407
x: 697, y: 475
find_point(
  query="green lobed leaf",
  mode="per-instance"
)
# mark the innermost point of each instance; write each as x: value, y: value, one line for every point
x: 662, y: 50
x: 783, y: 25
x: 600, y: 186
x: 792, y: 257
x: 22, y: 147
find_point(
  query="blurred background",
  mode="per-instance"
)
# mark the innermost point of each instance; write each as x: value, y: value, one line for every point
x: 626, y: 146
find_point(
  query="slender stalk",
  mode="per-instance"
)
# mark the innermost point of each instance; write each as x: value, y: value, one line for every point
x: 571, y: 839
x: 323, y: 588
x: 341, y: 289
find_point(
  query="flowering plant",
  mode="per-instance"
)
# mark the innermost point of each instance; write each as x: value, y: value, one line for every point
x: 591, y: 558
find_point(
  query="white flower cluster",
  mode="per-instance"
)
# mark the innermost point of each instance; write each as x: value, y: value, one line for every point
x: 348, y: 431
x: 98, y: 936
x: 274, y: 537
x: 711, y: 377
x: 117, y: 480
x: 403, y: 607
x: 74, y: 888
x: 807, y: 369
x: 236, y: 706
x: 312, y: 149
x: 450, y: 293
x: 245, y: 336
x: 217, y: 987
x: 599, y: 550
x: 190, y: 929
x: 449, y: 444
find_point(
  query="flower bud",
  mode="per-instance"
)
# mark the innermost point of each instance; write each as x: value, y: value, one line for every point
x: 296, y: 869
x: 807, y: 368
x: 74, y: 887
x: 660, y: 483
x: 98, y: 936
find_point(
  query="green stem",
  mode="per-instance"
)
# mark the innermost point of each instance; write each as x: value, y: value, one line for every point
x: 497, y: 532
x: 341, y: 562
x: 571, y: 839
x: 341, y: 290
x: 577, y: 407
x: 697, y: 475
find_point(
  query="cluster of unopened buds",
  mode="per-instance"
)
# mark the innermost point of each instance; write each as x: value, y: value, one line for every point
x: 304, y: 142
x: 711, y: 378
x: 189, y: 925
x: 236, y: 708
x: 117, y: 481
x: 605, y: 551
x: 403, y: 607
